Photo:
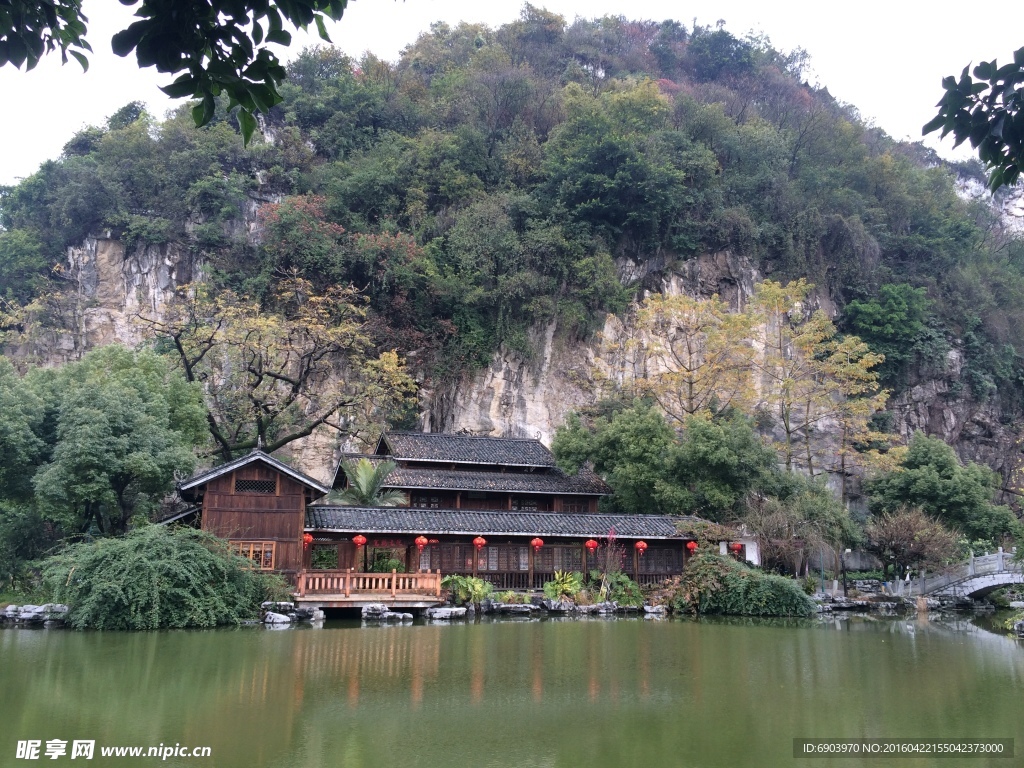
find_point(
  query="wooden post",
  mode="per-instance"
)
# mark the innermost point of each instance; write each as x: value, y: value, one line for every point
x: 476, y: 559
x: 636, y: 563
x: 437, y: 584
x: 529, y: 557
x: 348, y: 583
x: 302, y: 583
x: 394, y: 582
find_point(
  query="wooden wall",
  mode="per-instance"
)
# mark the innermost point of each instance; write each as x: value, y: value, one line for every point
x: 279, y: 516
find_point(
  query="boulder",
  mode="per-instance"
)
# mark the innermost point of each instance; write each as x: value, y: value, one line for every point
x: 32, y: 614
x: 375, y: 611
x: 446, y: 614
x: 282, y: 607
x: 1018, y: 628
x: 656, y: 610
x: 557, y: 606
x: 276, y: 618
x: 514, y: 609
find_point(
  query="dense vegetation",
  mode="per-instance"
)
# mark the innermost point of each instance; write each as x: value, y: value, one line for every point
x: 489, y: 179
x: 90, y: 448
x: 157, y: 578
x: 713, y: 584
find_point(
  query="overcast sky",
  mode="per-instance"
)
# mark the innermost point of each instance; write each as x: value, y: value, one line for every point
x: 886, y: 58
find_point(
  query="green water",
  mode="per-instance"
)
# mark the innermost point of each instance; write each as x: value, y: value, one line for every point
x: 540, y: 693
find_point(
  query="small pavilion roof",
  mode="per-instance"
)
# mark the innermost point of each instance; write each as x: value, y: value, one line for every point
x: 187, y: 489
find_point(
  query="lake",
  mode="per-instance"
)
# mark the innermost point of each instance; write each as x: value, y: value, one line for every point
x: 589, y: 693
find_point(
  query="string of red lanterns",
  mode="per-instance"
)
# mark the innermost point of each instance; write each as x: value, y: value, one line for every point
x: 692, y: 546
x: 307, y: 539
x: 736, y: 547
x: 641, y: 547
x: 359, y: 540
x: 479, y: 542
x: 421, y: 542
x: 591, y: 545
x: 537, y: 543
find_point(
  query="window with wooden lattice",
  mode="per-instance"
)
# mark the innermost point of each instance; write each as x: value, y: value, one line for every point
x: 261, y: 553
x: 255, y: 486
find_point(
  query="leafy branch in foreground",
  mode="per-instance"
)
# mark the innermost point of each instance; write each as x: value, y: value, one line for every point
x: 989, y: 112
x: 220, y: 46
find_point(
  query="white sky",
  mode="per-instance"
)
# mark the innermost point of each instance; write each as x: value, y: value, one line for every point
x: 886, y: 58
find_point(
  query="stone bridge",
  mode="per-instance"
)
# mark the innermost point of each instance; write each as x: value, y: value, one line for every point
x: 972, y: 579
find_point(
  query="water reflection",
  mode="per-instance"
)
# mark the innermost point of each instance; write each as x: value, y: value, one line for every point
x: 722, y: 692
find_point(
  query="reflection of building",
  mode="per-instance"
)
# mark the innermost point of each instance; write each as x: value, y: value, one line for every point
x: 495, y: 507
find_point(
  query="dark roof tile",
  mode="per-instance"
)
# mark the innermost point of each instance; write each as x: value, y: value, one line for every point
x: 401, y: 520
x: 468, y: 449
x: 554, y: 481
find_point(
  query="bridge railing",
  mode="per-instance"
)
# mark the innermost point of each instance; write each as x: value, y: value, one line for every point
x: 1000, y: 562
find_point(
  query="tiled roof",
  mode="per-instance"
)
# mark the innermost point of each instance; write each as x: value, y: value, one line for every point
x: 552, y: 481
x: 467, y: 449
x: 202, y: 478
x: 400, y: 520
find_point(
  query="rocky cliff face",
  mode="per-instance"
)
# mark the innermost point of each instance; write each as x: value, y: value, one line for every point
x: 515, y: 395
x: 531, y: 397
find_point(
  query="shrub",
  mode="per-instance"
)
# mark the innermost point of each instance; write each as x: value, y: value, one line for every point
x: 714, y: 584
x: 157, y: 578
x: 617, y: 587
x: 564, y: 584
x: 467, y: 589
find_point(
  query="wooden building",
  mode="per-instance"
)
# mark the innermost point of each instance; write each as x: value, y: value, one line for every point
x: 259, y: 504
x: 497, y: 508
x: 507, y: 492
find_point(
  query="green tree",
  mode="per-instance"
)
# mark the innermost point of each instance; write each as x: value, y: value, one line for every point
x: 366, y: 482
x: 124, y: 425
x: 718, y: 463
x: 893, y: 324
x: 959, y: 496
x: 707, y: 467
x: 220, y: 46
x: 629, y: 449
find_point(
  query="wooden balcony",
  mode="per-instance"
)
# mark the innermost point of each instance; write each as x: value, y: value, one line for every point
x: 348, y: 589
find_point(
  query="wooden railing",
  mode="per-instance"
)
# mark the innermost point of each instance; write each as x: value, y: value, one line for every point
x: 350, y: 583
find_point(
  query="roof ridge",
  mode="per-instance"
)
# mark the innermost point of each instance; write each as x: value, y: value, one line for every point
x: 460, y: 434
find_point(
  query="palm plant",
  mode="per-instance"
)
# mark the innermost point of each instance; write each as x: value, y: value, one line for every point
x: 365, y: 483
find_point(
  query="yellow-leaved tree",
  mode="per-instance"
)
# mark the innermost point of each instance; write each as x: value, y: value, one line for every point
x: 774, y: 359
x: 271, y: 376
x: 810, y: 382
x: 696, y: 355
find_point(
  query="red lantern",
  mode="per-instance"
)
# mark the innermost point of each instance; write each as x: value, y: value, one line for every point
x: 359, y: 540
x: 591, y: 545
x: 536, y: 543
x: 641, y: 547
x: 736, y: 547
x: 307, y: 539
x: 421, y: 542
x: 479, y: 542
x: 692, y: 546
